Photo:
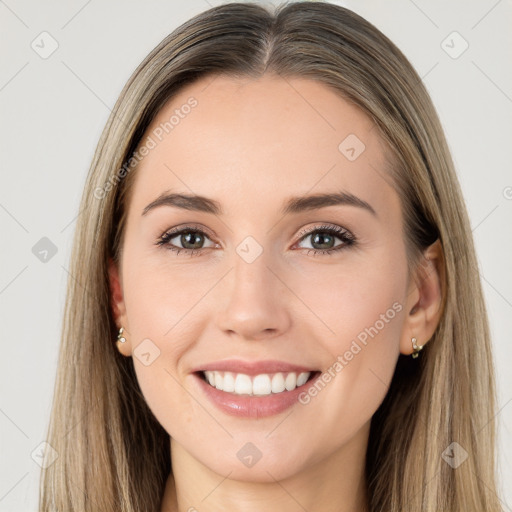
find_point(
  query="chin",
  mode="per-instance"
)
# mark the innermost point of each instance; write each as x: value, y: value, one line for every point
x: 266, y: 469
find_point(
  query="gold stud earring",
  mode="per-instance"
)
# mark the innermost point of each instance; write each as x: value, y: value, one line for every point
x: 120, y: 336
x: 416, y: 348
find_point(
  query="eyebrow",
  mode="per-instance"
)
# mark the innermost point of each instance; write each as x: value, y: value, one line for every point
x: 293, y: 205
x: 317, y: 201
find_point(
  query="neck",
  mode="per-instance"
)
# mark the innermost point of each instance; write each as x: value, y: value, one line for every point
x: 332, y: 484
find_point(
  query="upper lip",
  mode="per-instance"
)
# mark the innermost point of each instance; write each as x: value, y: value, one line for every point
x: 253, y: 367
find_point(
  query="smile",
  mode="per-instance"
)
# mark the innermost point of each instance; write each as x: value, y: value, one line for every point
x: 263, y: 384
x: 253, y: 389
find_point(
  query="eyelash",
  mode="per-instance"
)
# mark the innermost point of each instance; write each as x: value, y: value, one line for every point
x: 344, y: 235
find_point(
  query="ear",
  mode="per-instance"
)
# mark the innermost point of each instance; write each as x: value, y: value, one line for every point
x: 424, y: 303
x: 118, y: 306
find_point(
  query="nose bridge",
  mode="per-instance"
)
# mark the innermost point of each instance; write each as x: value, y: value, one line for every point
x: 251, y: 276
x: 253, y: 306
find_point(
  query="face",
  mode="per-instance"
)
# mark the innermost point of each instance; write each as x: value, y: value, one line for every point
x: 259, y: 281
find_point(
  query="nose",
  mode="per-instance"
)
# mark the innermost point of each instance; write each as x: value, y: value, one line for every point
x: 255, y: 306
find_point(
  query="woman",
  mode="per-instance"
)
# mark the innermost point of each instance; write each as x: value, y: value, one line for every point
x: 275, y: 301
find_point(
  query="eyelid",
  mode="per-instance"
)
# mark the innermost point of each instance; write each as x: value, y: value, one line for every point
x: 338, y: 231
x: 326, y: 227
x: 189, y: 227
x: 305, y: 231
x: 164, y: 239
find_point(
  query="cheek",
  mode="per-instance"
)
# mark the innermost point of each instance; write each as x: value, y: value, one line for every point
x: 356, y: 303
x: 364, y: 312
x: 162, y: 295
x: 165, y: 310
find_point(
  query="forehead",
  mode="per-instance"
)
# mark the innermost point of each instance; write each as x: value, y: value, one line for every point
x: 246, y: 142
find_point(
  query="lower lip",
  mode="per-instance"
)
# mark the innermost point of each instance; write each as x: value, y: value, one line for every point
x: 253, y: 406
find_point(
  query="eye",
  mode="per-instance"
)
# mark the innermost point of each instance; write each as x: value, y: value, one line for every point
x: 323, y: 239
x: 189, y: 239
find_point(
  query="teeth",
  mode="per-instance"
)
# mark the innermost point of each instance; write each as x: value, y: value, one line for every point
x: 219, y: 381
x: 290, y: 382
x: 278, y: 383
x: 302, y: 378
x: 243, y: 384
x: 229, y: 382
x: 210, y: 377
x: 261, y: 385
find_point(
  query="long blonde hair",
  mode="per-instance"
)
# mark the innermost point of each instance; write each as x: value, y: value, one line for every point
x: 113, y: 455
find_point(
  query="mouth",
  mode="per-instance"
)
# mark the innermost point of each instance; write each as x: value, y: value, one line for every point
x: 254, y: 389
x: 260, y: 385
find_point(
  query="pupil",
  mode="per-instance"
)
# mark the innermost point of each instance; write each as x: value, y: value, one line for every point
x: 321, y: 240
x: 193, y: 238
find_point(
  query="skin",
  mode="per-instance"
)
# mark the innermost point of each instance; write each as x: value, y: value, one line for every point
x: 251, y: 145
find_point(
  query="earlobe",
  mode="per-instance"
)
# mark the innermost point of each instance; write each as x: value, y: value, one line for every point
x: 425, y: 299
x: 122, y: 344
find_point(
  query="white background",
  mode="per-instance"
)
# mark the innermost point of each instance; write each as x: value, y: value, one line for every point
x: 52, y: 113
